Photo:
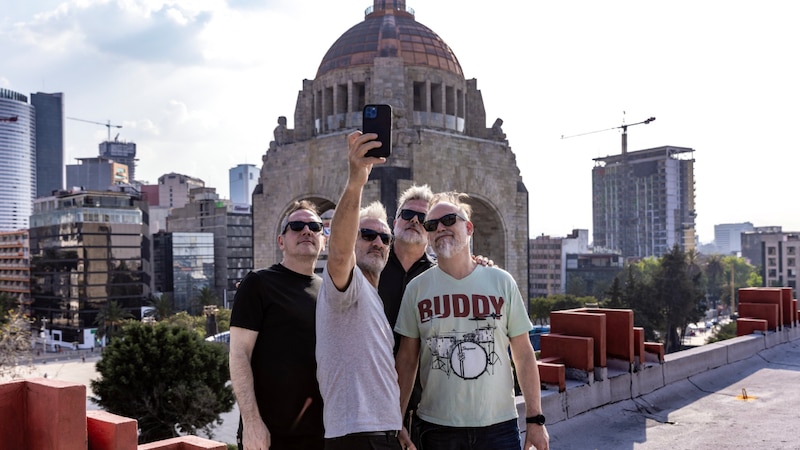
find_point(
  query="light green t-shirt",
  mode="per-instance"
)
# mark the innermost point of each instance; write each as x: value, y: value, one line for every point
x: 464, y: 328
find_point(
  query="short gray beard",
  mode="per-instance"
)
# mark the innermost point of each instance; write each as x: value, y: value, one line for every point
x: 447, y: 249
x: 411, y: 238
x: 371, y: 265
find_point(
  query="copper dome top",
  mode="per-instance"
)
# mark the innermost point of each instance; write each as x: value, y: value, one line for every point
x: 389, y: 30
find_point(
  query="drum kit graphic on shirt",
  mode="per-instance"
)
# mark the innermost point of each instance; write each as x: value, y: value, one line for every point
x: 467, y: 355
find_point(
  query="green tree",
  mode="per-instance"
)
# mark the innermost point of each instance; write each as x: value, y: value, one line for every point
x: 163, y: 304
x: 715, y: 279
x: 576, y: 286
x: 166, y: 377
x: 206, y: 297
x: 540, y: 308
x: 15, y: 343
x: 195, y: 324
x: 744, y: 275
x: 678, y: 295
x: 110, y: 318
x: 614, y: 297
x: 7, y: 303
x: 726, y: 331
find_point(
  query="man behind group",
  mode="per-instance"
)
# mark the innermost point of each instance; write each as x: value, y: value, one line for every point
x: 354, y: 340
x: 272, y: 363
x: 467, y: 315
x: 407, y: 259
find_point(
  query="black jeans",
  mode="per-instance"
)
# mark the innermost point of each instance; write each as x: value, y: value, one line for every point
x: 500, y: 436
x: 359, y: 441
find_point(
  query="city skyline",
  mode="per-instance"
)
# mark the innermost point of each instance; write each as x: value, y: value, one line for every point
x: 199, y: 87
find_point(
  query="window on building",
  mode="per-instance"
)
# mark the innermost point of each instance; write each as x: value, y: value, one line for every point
x: 791, y: 250
x: 772, y: 262
x: 771, y: 250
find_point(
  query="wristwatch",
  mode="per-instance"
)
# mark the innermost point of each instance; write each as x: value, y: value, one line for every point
x: 538, y: 420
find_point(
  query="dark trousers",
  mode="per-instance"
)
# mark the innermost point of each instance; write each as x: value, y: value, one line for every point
x: 500, y: 436
x: 361, y: 441
x: 286, y: 442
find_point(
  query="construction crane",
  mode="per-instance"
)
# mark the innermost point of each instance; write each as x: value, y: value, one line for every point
x: 623, y: 127
x: 627, y: 238
x: 9, y: 119
x: 107, y: 125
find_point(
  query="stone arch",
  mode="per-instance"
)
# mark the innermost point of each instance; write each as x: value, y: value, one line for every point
x: 489, y: 237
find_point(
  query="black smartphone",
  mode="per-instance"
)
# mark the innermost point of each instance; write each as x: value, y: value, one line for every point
x: 378, y: 119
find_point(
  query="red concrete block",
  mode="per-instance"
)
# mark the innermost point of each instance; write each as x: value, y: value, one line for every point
x: 184, y: 443
x: 577, y: 323
x: 638, y: 344
x: 12, y: 414
x: 55, y: 416
x: 550, y: 373
x: 108, y: 431
x: 787, y: 306
x: 763, y: 295
x: 619, y: 332
x: 655, y: 348
x: 575, y: 351
x: 745, y: 326
x: 767, y: 311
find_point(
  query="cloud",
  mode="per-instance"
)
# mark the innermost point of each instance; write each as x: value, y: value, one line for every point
x: 145, y: 31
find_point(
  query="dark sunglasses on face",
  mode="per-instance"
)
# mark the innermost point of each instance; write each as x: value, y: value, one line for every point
x: 408, y: 214
x: 297, y: 225
x: 446, y: 220
x: 370, y: 235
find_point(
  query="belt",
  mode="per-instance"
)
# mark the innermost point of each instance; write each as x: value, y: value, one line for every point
x: 392, y: 433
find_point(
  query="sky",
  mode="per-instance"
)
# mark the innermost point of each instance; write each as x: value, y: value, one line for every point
x: 198, y: 85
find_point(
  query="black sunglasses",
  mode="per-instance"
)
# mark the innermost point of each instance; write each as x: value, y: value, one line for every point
x: 446, y: 220
x: 408, y: 214
x: 370, y: 235
x: 298, y: 225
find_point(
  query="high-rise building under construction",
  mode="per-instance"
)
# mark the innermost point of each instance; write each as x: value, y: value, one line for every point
x: 643, y: 201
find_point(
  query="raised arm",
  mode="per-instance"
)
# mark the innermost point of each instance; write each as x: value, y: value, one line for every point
x: 344, y: 224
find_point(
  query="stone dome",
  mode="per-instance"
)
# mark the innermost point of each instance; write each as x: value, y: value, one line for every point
x: 389, y: 30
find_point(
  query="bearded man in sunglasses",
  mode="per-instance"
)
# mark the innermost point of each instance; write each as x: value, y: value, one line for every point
x: 272, y: 361
x: 457, y: 321
x: 355, y: 363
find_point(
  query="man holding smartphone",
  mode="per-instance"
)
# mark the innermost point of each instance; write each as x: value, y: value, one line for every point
x: 355, y: 362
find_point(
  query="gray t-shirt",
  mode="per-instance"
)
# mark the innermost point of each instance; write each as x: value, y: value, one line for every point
x: 355, y: 364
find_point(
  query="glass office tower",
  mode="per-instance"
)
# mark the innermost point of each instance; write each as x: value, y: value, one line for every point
x: 17, y: 160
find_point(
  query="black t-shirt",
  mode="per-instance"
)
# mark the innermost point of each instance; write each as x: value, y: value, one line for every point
x: 391, y: 287
x: 280, y: 304
x: 393, y: 283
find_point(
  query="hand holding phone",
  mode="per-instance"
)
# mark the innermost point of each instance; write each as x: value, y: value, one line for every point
x: 378, y: 119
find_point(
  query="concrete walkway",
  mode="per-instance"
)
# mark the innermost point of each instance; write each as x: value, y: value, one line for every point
x: 707, y: 411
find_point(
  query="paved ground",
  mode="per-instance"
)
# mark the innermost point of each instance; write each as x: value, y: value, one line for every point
x: 706, y: 411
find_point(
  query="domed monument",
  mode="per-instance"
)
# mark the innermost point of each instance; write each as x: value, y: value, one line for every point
x: 440, y: 137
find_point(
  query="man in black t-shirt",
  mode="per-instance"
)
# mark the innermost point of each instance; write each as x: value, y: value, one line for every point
x: 272, y: 361
x: 407, y: 259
